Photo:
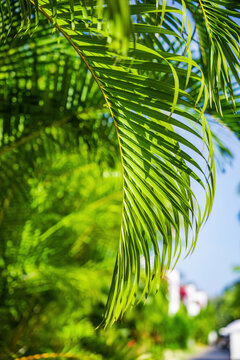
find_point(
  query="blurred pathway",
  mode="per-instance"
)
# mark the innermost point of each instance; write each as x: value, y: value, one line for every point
x: 213, y: 354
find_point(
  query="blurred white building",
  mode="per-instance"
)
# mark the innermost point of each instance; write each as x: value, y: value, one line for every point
x: 173, y: 278
x: 194, y: 299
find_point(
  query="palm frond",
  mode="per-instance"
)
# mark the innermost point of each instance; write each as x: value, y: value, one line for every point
x: 42, y: 98
x: 147, y: 94
x: 218, y: 29
x: 228, y: 119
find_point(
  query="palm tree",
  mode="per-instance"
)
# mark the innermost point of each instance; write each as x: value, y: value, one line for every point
x: 157, y: 73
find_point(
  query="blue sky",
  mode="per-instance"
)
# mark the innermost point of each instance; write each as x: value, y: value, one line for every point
x: 218, y: 247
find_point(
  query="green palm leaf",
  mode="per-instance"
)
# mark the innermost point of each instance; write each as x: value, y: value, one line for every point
x: 41, y: 98
x: 160, y: 127
x: 217, y: 24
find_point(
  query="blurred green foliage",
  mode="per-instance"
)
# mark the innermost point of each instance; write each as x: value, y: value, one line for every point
x: 204, y: 322
x: 58, y: 245
x: 228, y: 305
x: 178, y: 330
x: 58, y: 248
x: 57, y: 252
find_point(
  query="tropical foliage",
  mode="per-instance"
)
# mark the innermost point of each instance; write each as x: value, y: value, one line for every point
x: 152, y: 72
x: 56, y: 270
x: 228, y: 305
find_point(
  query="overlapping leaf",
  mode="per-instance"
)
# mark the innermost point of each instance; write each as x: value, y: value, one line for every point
x: 218, y: 29
x: 46, y: 94
x: 228, y: 119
